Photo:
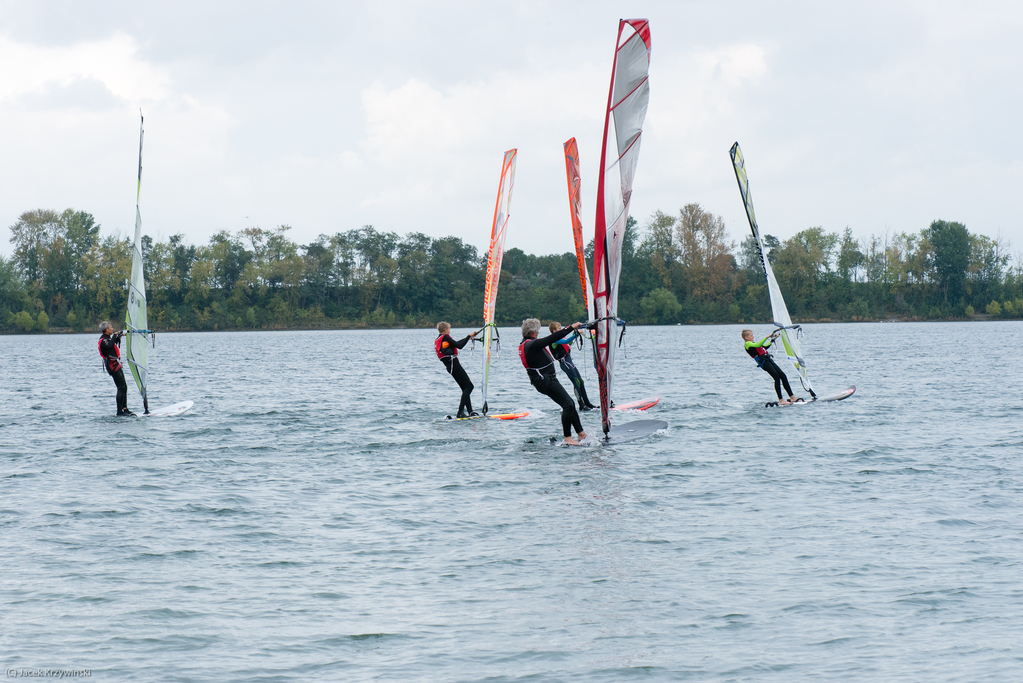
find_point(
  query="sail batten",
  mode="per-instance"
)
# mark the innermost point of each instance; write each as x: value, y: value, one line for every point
x: 136, y: 317
x: 627, y: 100
x: 789, y: 333
x: 494, y: 257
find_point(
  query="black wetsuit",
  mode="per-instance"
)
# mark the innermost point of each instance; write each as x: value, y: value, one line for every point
x: 536, y: 356
x: 758, y: 352
x: 562, y: 353
x: 112, y: 362
x: 447, y: 351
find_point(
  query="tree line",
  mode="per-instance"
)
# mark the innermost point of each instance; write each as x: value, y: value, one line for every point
x: 677, y: 268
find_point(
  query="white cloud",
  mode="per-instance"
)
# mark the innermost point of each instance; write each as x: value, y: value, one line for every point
x: 69, y: 115
x: 700, y: 104
x: 438, y: 148
x: 844, y: 118
x: 113, y: 61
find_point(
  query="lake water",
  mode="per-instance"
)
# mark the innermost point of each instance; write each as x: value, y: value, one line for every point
x: 315, y: 518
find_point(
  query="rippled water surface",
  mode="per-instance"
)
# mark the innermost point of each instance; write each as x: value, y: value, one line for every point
x: 314, y: 517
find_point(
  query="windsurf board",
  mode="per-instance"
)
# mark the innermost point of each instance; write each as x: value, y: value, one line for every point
x: 499, y: 416
x: 641, y: 404
x: 838, y: 396
x: 167, y: 411
x: 630, y: 431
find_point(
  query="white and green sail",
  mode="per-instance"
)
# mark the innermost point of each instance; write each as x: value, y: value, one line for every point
x: 137, y: 324
x: 790, y: 333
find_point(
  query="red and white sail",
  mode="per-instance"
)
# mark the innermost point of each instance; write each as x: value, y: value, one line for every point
x: 494, y: 257
x: 576, y: 206
x: 627, y: 102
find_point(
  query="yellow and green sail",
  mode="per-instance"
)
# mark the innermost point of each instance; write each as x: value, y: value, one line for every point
x: 789, y: 333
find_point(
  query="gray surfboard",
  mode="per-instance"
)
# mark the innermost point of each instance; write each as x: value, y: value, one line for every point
x: 630, y: 431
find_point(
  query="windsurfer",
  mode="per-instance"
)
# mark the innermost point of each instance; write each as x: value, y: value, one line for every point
x: 758, y: 352
x: 536, y: 357
x: 447, y: 351
x: 111, y: 354
x: 562, y: 352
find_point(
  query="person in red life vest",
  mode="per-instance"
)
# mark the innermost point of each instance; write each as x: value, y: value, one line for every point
x: 447, y: 352
x: 536, y: 356
x: 111, y: 355
x: 758, y: 352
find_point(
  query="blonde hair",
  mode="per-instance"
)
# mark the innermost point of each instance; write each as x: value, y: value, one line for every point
x: 745, y: 332
x: 530, y: 326
x: 554, y: 327
x: 443, y: 327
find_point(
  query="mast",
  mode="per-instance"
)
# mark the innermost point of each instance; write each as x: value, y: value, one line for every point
x: 136, y: 321
x: 494, y: 258
x: 627, y: 100
x: 790, y: 334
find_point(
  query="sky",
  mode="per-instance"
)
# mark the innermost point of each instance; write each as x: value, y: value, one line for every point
x: 327, y: 116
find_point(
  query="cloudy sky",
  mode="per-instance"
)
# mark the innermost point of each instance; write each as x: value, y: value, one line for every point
x: 327, y: 116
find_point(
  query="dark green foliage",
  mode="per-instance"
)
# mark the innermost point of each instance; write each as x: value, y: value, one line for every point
x: 951, y: 244
x: 679, y: 268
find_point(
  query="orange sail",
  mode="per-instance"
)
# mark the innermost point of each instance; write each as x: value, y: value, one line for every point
x: 576, y: 206
x: 494, y: 257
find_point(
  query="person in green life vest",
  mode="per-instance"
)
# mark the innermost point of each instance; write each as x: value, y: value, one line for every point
x: 758, y: 352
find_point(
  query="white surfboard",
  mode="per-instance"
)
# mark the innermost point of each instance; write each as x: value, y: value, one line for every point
x: 167, y: 411
x: 837, y: 396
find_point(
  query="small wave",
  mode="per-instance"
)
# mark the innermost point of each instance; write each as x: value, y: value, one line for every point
x: 956, y: 522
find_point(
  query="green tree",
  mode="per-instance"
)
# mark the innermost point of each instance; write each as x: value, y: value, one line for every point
x: 23, y: 319
x: 12, y: 288
x: 107, y: 273
x: 819, y: 247
x: 661, y: 247
x: 989, y: 259
x: 749, y: 259
x: 850, y: 258
x: 706, y: 253
x: 660, y: 306
x: 31, y: 236
x: 951, y: 259
x: 181, y: 255
x: 73, y: 237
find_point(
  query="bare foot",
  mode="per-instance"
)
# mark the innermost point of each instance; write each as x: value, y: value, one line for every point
x: 570, y: 441
x: 783, y: 402
x: 582, y: 435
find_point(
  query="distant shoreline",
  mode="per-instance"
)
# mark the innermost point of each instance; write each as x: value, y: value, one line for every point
x: 369, y: 328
